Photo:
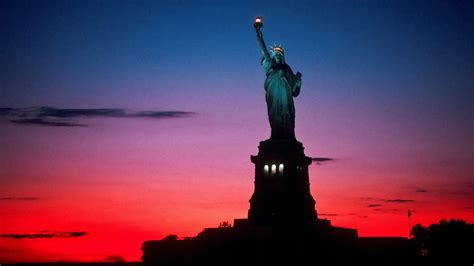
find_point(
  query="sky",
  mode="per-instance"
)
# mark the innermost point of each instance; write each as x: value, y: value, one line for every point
x: 126, y: 121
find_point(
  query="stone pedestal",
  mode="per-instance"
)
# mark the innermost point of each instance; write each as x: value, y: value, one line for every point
x: 282, y: 195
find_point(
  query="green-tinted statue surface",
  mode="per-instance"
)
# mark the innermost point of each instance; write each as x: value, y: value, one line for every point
x: 281, y: 85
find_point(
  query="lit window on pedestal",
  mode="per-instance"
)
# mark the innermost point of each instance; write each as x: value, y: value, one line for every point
x: 274, y: 169
x: 280, y: 168
x: 265, y: 169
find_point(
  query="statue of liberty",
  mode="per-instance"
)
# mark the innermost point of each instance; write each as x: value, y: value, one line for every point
x: 281, y: 85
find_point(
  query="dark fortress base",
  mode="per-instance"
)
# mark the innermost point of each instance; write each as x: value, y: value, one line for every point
x: 244, y: 244
x: 282, y: 226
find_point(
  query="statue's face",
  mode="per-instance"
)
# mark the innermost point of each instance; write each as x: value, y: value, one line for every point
x: 278, y: 58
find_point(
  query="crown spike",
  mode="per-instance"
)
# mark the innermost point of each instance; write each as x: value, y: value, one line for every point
x: 277, y: 48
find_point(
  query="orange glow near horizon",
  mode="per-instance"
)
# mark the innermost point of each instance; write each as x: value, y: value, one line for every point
x: 118, y: 221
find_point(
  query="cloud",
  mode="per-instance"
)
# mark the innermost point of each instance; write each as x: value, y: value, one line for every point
x: 162, y: 114
x: 370, y: 198
x: 5, y: 110
x: 374, y: 205
x: 68, y: 117
x: 387, y: 200
x: 320, y: 160
x: 19, y: 198
x: 328, y: 214
x: 399, y: 200
x: 45, y: 234
x: 93, y: 112
x: 40, y: 121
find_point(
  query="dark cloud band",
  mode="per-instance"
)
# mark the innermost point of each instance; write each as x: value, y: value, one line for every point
x: 421, y: 190
x: 374, y: 205
x: 45, y: 235
x: 387, y: 200
x: 320, y: 160
x: 19, y: 198
x: 400, y: 200
x: 68, y: 117
x: 328, y: 214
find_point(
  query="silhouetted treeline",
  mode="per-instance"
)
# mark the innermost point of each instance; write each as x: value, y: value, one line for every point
x: 446, y: 242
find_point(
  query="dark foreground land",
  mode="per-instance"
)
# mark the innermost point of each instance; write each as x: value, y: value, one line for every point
x: 136, y: 263
x: 446, y: 243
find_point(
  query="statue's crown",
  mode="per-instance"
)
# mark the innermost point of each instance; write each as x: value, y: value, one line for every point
x: 277, y: 48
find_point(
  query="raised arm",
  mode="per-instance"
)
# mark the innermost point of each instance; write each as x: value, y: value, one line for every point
x: 262, y: 46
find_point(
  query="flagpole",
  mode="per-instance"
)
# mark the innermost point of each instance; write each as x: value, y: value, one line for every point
x: 409, y: 224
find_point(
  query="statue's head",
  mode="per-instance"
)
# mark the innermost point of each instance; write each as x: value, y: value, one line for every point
x: 278, y: 53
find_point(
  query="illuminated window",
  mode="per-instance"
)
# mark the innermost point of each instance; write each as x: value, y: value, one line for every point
x: 280, y: 168
x: 265, y: 169
x: 274, y: 169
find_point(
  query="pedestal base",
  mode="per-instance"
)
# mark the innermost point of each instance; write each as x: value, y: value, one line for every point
x: 282, y: 194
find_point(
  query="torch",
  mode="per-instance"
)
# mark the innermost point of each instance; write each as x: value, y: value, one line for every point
x: 258, y: 23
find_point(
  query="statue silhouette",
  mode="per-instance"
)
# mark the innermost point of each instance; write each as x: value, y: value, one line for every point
x: 281, y: 85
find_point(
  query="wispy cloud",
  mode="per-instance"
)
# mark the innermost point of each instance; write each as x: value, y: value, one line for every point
x: 328, y: 214
x: 387, y: 200
x: 374, y: 205
x: 19, y: 198
x: 323, y: 214
x: 400, y: 200
x: 319, y: 160
x: 421, y: 190
x: 69, y: 117
x: 162, y: 114
x: 370, y: 198
x: 42, y: 122
x: 45, y: 234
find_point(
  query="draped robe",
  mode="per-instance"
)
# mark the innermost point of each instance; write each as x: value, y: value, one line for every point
x: 281, y: 85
